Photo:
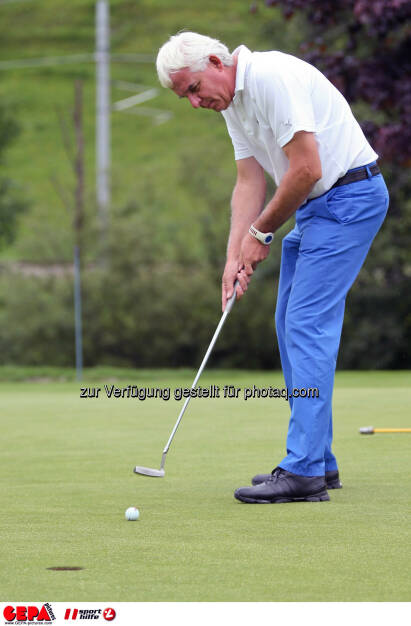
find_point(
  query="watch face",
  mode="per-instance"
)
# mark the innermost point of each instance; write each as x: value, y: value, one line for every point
x: 268, y: 239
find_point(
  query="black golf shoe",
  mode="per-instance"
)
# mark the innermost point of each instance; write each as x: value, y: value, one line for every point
x: 332, y: 479
x: 283, y: 486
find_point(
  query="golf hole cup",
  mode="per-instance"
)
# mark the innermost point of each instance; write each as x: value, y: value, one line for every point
x: 132, y: 514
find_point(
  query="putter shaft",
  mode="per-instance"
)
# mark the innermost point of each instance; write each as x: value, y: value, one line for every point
x: 150, y: 472
x: 200, y: 371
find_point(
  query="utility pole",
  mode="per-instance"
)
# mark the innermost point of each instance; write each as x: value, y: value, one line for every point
x: 103, y: 112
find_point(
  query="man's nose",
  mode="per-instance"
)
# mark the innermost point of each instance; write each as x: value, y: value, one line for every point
x: 195, y: 100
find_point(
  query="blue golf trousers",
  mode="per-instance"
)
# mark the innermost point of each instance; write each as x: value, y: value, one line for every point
x: 321, y: 258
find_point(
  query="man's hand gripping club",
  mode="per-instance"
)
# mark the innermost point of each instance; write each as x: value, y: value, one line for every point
x: 252, y: 252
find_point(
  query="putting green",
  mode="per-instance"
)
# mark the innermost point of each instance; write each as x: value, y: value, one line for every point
x: 67, y: 479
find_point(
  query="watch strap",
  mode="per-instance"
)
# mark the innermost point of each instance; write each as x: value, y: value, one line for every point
x: 265, y: 238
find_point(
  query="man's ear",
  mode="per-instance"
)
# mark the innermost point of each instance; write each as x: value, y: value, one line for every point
x: 216, y: 62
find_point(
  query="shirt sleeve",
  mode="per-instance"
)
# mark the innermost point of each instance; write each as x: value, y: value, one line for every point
x: 241, y: 147
x: 285, y: 102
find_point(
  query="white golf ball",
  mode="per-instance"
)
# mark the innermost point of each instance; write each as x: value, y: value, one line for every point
x: 132, y: 514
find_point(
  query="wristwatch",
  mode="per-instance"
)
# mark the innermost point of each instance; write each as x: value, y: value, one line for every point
x: 265, y: 238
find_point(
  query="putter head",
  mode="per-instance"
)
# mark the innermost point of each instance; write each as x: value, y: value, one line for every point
x: 147, y: 471
x: 367, y: 430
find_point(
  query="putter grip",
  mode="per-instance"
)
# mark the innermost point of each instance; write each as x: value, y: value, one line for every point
x: 231, y: 301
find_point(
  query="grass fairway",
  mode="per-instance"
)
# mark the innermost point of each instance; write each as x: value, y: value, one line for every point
x: 67, y: 480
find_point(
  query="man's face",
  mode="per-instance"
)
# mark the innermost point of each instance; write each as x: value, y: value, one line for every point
x: 212, y: 88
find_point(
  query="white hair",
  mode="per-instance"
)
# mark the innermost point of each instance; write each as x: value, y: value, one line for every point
x: 190, y: 50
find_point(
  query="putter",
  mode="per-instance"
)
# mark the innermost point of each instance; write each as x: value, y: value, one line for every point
x: 369, y: 430
x: 159, y: 473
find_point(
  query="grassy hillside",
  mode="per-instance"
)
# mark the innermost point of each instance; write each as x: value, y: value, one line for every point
x: 144, y: 154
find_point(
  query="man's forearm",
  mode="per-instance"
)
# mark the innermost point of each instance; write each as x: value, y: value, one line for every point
x: 291, y: 193
x: 246, y: 204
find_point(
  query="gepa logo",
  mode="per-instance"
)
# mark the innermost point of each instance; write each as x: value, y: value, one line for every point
x: 28, y: 614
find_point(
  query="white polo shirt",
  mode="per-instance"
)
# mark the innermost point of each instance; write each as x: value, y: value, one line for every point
x: 277, y: 95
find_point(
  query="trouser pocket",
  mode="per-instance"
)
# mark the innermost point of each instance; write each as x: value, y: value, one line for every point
x: 357, y: 201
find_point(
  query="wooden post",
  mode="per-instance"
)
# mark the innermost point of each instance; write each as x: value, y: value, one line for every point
x: 78, y: 223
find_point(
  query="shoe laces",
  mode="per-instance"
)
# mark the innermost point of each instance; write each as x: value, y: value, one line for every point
x: 275, y: 474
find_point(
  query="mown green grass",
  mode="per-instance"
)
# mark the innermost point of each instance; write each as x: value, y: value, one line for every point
x: 67, y: 480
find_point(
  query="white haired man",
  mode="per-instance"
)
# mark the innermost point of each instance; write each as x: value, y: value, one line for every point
x: 285, y: 118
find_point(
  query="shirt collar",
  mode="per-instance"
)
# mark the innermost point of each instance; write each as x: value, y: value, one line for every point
x: 243, y: 56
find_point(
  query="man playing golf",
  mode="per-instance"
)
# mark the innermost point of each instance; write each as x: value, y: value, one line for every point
x: 285, y: 118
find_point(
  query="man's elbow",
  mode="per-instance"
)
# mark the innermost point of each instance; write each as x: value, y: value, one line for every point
x: 310, y: 173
